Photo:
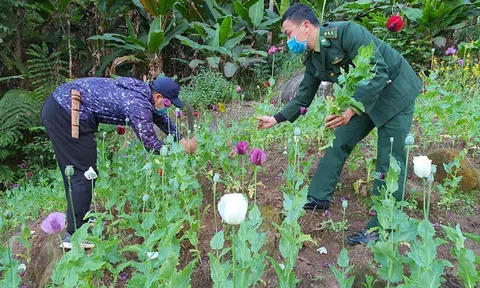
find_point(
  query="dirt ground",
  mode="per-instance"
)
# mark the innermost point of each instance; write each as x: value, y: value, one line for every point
x: 310, y: 268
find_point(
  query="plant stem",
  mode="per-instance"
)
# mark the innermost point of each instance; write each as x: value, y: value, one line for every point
x: 243, y: 174
x: 233, y: 253
x: 323, y: 11
x: 424, y: 200
x: 163, y: 180
x: 343, y: 228
x: 255, y: 185
x: 10, y: 263
x: 429, y: 195
x: 61, y: 243
x: 71, y: 203
x: 93, y: 199
x: 405, y: 176
x: 273, y: 64
x: 215, y: 207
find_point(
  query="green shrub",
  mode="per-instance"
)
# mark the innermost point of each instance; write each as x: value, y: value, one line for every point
x: 208, y: 88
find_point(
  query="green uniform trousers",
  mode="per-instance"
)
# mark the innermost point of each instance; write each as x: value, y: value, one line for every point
x: 330, y: 166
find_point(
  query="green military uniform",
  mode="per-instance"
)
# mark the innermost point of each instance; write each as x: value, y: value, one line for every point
x: 388, y: 100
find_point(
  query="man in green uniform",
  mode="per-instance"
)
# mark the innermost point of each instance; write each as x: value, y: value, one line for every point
x: 388, y: 99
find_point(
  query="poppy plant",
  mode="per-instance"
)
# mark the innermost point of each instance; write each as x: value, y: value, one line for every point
x: 241, y: 148
x: 120, y: 130
x: 394, y: 23
x: 257, y: 156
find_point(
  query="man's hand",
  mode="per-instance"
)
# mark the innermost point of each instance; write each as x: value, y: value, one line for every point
x: 334, y: 121
x: 266, y: 122
x: 189, y: 145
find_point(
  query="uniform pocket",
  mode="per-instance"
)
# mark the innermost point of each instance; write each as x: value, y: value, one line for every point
x: 396, y: 90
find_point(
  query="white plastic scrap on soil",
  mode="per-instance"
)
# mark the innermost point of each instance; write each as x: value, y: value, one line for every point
x: 322, y: 250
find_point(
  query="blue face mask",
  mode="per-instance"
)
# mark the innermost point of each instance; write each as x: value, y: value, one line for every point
x: 161, y: 111
x: 295, y: 46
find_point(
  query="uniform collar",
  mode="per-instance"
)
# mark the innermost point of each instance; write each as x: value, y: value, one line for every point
x: 319, y: 38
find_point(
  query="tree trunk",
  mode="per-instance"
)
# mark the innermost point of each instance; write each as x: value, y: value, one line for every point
x: 270, y: 35
x: 19, y: 35
x: 70, y: 65
x: 156, y: 66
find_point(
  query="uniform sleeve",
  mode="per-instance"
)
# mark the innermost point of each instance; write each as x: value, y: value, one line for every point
x: 141, y: 121
x: 355, y: 36
x: 166, y: 124
x: 306, y: 92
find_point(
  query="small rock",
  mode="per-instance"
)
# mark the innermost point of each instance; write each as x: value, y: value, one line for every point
x: 49, y: 254
x: 471, y: 175
x: 363, y: 269
x: 289, y: 89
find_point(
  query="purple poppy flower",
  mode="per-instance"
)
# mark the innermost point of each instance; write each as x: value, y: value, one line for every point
x: 460, y: 62
x: 215, y: 108
x: 54, y: 223
x: 272, y: 50
x: 257, y: 156
x: 23, y: 165
x: 436, y: 225
x: 239, y: 89
x: 327, y: 214
x: 178, y: 113
x: 166, y: 102
x: 381, y: 176
x: 451, y: 51
x: 325, y: 265
x: 342, y: 199
x: 303, y: 110
x: 123, y: 276
x: 241, y: 148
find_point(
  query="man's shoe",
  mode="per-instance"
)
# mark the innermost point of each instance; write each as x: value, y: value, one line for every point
x: 315, y: 204
x: 67, y: 244
x: 362, y: 237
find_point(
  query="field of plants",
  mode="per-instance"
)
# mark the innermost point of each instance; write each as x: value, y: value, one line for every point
x: 231, y: 214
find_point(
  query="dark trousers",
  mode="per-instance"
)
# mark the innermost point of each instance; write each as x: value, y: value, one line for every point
x: 326, y: 176
x: 81, y: 153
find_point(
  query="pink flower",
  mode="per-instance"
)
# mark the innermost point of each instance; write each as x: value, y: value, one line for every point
x: 166, y: 102
x: 30, y: 174
x: 327, y: 214
x: 241, y: 148
x: 372, y: 213
x: 54, y: 223
x: 257, y: 156
x: 23, y: 165
x: 215, y: 108
x: 451, y: 51
x: 239, y: 89
x: 460, y: 62
x: 272, y: 50
x: 303, y: 110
